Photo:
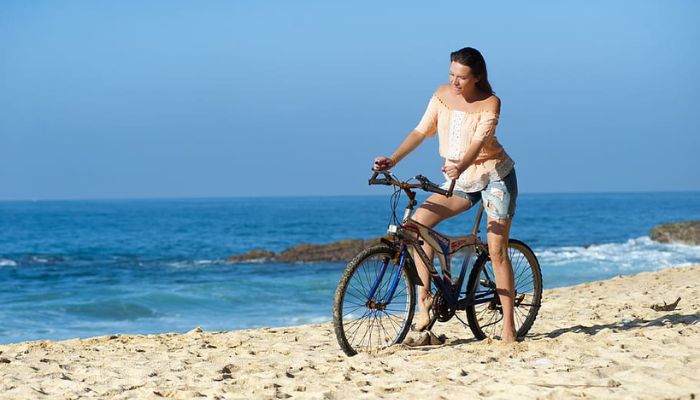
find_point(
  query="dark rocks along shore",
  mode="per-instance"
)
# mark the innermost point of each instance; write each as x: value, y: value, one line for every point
x: 687, y: 232
x: 343, y: 250
x: 678, y: 232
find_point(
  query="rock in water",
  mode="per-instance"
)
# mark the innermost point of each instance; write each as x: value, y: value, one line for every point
x: 253, y: 255
x: 343, y: 250
x: 678, y: 232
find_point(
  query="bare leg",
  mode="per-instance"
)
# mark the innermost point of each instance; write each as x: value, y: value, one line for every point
x: 497, y: 236
x: 432, y: 212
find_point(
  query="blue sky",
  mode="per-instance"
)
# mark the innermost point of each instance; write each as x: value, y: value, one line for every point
x: 133, y: 99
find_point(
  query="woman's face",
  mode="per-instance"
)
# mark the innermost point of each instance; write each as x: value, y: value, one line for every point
x: 461, y: 79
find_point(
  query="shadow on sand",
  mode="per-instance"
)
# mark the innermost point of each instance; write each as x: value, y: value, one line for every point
x: 684, y: 319
x: 666, y: 319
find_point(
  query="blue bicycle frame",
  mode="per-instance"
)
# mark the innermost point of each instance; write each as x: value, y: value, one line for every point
x: 413, y: 234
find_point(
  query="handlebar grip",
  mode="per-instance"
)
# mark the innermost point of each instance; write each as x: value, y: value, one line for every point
x: 379, y: 181
x: 451, y: 189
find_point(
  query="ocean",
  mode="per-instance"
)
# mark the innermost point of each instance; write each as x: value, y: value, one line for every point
x: 87, y: 268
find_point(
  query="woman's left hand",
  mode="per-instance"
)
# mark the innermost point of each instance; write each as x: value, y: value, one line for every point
x: 453, y: 171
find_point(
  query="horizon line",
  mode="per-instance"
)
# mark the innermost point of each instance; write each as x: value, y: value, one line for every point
x: 223, y: 197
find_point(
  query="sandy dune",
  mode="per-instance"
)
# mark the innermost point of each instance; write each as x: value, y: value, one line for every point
x: 598, y: 340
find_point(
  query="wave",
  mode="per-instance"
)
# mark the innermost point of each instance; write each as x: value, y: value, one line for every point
x: 307, y: 319
x: 7, y: 263
x: 633, y: 255
x: 194, y: 263
x: 70, y: 260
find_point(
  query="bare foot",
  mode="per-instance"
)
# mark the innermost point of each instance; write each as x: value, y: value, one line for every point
x: 422, y: 318
x: 508, y: 336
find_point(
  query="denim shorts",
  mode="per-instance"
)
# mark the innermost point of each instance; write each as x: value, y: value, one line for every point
x: 499, y: 196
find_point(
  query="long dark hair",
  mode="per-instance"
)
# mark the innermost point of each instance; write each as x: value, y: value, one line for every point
x: 473, y: 59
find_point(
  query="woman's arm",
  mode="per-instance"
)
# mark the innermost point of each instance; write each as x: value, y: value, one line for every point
x: 413, y: 140
x: 453, y: 171
x: 426, y: 127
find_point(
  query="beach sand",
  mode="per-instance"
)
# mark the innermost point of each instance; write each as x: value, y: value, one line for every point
x: 598, y: 340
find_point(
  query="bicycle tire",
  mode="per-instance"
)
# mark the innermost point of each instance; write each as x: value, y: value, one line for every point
x: 374, y: 329
x: 485, y: 319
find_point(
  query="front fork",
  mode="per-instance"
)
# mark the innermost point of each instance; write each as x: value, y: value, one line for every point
x: 383, y: 303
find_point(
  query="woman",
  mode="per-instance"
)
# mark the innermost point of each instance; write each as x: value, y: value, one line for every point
x: 464, y: 114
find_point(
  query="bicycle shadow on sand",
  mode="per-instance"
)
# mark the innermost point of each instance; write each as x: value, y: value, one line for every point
x: 637, y: 323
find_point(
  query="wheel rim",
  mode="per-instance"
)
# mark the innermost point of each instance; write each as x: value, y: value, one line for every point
x: 372, y: 324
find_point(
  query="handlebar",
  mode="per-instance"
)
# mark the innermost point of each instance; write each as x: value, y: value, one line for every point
x: 425, y: 184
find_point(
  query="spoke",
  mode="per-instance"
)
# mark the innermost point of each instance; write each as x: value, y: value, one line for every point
x: 356, y: 323
x: 356, y: 284
x: 354, y: 297
x: 368, y: 278
x: 383, y: 329
x: 396, y: 310
x: 359, y: 320
x: 531, y: 281
x: 353, y: 310
x: 400, y: 291
x: 522, y: 268
x: 374, y: 330
x: 368, y: 269
x: 519, y: 259
x: 490, y: 324
x: 396, y: 325
x: 517, y: 317
x: 363, y: 275
x: 369, y: 329
x: 483, y: 312
x: 521, y: 274
x: 356, y: 294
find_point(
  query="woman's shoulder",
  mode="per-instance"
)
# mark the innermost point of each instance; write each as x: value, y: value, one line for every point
x: 492, y: 104
x: 489, y: 103
x: 442, y: 91
x: 442, y: 95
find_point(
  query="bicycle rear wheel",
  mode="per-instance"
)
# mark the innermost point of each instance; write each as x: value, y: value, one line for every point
x: 364, y: 324
x: 484, y: 311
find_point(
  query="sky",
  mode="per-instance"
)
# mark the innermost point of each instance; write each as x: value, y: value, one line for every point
x: 161, y: 99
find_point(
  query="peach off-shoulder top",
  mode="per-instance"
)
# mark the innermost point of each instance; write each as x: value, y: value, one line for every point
x: 456, y: 130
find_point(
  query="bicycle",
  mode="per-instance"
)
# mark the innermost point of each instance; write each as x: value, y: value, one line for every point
x: 375, y: 299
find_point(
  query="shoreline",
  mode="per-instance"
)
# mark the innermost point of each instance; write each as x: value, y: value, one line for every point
x: 598, y: 339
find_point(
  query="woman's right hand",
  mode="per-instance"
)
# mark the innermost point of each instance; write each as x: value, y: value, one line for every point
x: 383, y: 163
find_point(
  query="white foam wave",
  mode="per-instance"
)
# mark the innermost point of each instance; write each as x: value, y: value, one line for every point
x: 194, y: 263
x: 7, y: 263
x: 303, y: 320
x: 640, y: 254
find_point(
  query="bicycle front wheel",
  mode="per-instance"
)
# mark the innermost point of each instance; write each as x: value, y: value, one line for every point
x: 484, y: 310
x: 366, y: 316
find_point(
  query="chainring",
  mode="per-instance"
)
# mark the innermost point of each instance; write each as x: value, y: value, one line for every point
x: 440, y: 307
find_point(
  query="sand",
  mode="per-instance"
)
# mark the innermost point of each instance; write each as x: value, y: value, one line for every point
x: 598, y: 340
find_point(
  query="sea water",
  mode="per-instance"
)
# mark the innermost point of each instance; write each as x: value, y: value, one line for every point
x: 86, y: 268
